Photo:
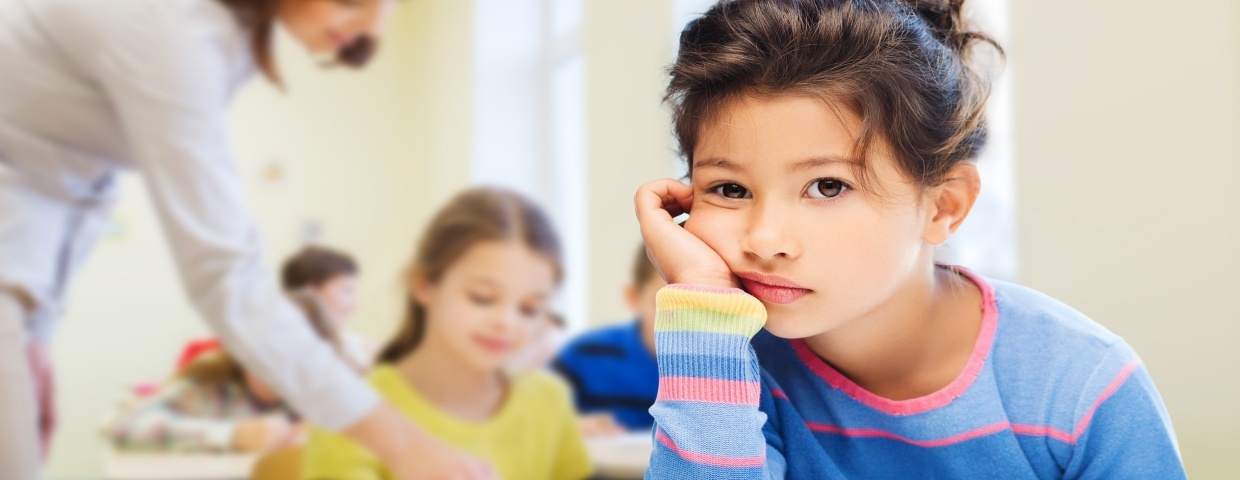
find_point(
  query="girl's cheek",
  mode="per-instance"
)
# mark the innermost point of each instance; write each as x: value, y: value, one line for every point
x: 714, y: 226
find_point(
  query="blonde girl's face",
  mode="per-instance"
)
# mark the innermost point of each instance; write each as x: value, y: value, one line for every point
x: 326, y: 26
x: 489, y: 304
x: 776, y: 194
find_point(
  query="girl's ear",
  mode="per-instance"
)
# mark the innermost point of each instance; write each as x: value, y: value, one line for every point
x: 951, y: 202
x: 421, y: 289
x: 632, y: 297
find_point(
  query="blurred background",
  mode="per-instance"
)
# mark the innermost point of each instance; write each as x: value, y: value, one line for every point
x: 1111, y: 182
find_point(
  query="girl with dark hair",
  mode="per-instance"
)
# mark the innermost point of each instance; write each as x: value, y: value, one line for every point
x: 330, y: 276
x: 477, y: 294
x: 808, y: 332
x: 91, y: 88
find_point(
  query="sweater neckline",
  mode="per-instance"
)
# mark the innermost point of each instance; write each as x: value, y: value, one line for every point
x: 925, y: 403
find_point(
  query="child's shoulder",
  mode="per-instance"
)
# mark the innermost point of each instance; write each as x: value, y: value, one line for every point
x: 541, y: 394
x: 1051, y: 355
x: 540, y: 384
x: 1033, y: 322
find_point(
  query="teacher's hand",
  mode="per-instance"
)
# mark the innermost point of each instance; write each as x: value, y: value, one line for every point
x: 410, y: 453
x: 45, y: 391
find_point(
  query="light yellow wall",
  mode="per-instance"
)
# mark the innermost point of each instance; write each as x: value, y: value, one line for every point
x: 1127, y: 122
x: 628, y: 136
x: 355, y: 149
x: 1127, y: 150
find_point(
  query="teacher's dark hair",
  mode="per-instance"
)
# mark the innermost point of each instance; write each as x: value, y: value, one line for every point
x: 259, y: 16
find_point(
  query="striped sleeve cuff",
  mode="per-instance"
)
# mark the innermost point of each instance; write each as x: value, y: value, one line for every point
x: 689, y: 308
x: 702, y: 339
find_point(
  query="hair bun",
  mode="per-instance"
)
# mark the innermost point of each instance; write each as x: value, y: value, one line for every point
x: 947, y: 21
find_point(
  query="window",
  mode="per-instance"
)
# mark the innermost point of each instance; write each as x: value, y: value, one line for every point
x: 529, y: 120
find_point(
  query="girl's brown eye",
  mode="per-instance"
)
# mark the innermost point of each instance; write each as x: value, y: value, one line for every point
x: 531, y: 312
x: 731, y: 190
x: 827, y: 188
x: 481, y: 300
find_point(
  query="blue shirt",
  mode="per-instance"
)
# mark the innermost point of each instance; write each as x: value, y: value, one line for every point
x: 612, y: 371
x: 1046, y: 394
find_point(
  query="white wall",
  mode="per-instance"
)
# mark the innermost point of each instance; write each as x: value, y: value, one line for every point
x: 1128, y: 154
x: 354, y: 149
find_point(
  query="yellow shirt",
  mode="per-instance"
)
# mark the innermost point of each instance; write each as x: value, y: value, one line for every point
x: 533, y: 436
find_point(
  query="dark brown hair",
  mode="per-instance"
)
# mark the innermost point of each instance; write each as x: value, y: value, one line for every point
x: 312, y: 266
x: 219, y: 367
x: 474, y: 216
x: 642, y: 270
x: 904, y: 67
x: 259, y: 16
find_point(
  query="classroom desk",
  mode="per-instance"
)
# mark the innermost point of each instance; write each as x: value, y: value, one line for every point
x: 168, y: 466
x: 620, y: 458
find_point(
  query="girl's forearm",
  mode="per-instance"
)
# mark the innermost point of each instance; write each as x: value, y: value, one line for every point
x: 707, y: 420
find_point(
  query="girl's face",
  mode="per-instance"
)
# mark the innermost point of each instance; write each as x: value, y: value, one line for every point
x: 326, y: 26
x: 339, y: 296
x: 489, y: 304
x: 776, y: 194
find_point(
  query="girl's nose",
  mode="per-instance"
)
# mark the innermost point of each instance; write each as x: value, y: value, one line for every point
x: 770, y: 234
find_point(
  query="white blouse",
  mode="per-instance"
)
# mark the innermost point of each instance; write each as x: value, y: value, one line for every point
x: 88, y: 87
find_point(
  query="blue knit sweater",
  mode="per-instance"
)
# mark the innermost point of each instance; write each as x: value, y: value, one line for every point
x: 1046, y: 394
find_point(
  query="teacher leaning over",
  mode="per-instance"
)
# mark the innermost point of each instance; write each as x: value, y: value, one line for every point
x: 90, y: 88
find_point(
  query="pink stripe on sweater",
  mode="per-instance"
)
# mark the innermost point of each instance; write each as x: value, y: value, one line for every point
x: 1083, y: 423
x: 709, y: 459
x: 945, y: 395
x: 940, y: 442
x: 1018, y: 429
x: 1043, y: 431
x: 709, y: 390
x: 1119, y: 379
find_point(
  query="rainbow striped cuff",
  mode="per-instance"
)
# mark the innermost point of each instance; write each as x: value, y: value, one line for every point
x: 702, y: 338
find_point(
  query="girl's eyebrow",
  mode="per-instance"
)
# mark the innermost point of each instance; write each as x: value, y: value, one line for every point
x: 821, y: 161
x: 479, y: 279
x: 801, y: 165
x: 716, y: 163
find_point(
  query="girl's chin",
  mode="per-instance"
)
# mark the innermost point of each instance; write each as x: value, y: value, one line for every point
x: 791, y: 328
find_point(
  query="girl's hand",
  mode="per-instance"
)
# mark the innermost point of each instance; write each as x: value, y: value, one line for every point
x: 599, y: 425
x: 679, y: 256
x: 262, y: 434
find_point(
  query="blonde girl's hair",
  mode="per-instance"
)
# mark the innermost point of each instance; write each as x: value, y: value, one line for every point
x: 476, y: 215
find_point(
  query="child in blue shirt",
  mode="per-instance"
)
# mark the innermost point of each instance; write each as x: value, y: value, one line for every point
x: 613, y: 370
x: 808, y: 332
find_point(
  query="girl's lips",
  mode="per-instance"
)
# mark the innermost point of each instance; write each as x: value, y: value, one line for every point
x: 340, y: 41
x: 772, y: 289
x: 493, y: 346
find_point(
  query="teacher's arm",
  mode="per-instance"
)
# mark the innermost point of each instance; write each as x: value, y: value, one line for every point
x: 168, y: 76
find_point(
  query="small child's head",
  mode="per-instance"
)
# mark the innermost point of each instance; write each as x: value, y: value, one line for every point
x: 480, y: 282
x: 830, y: 146
x: 644, y: 283
x: 329, y: 275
